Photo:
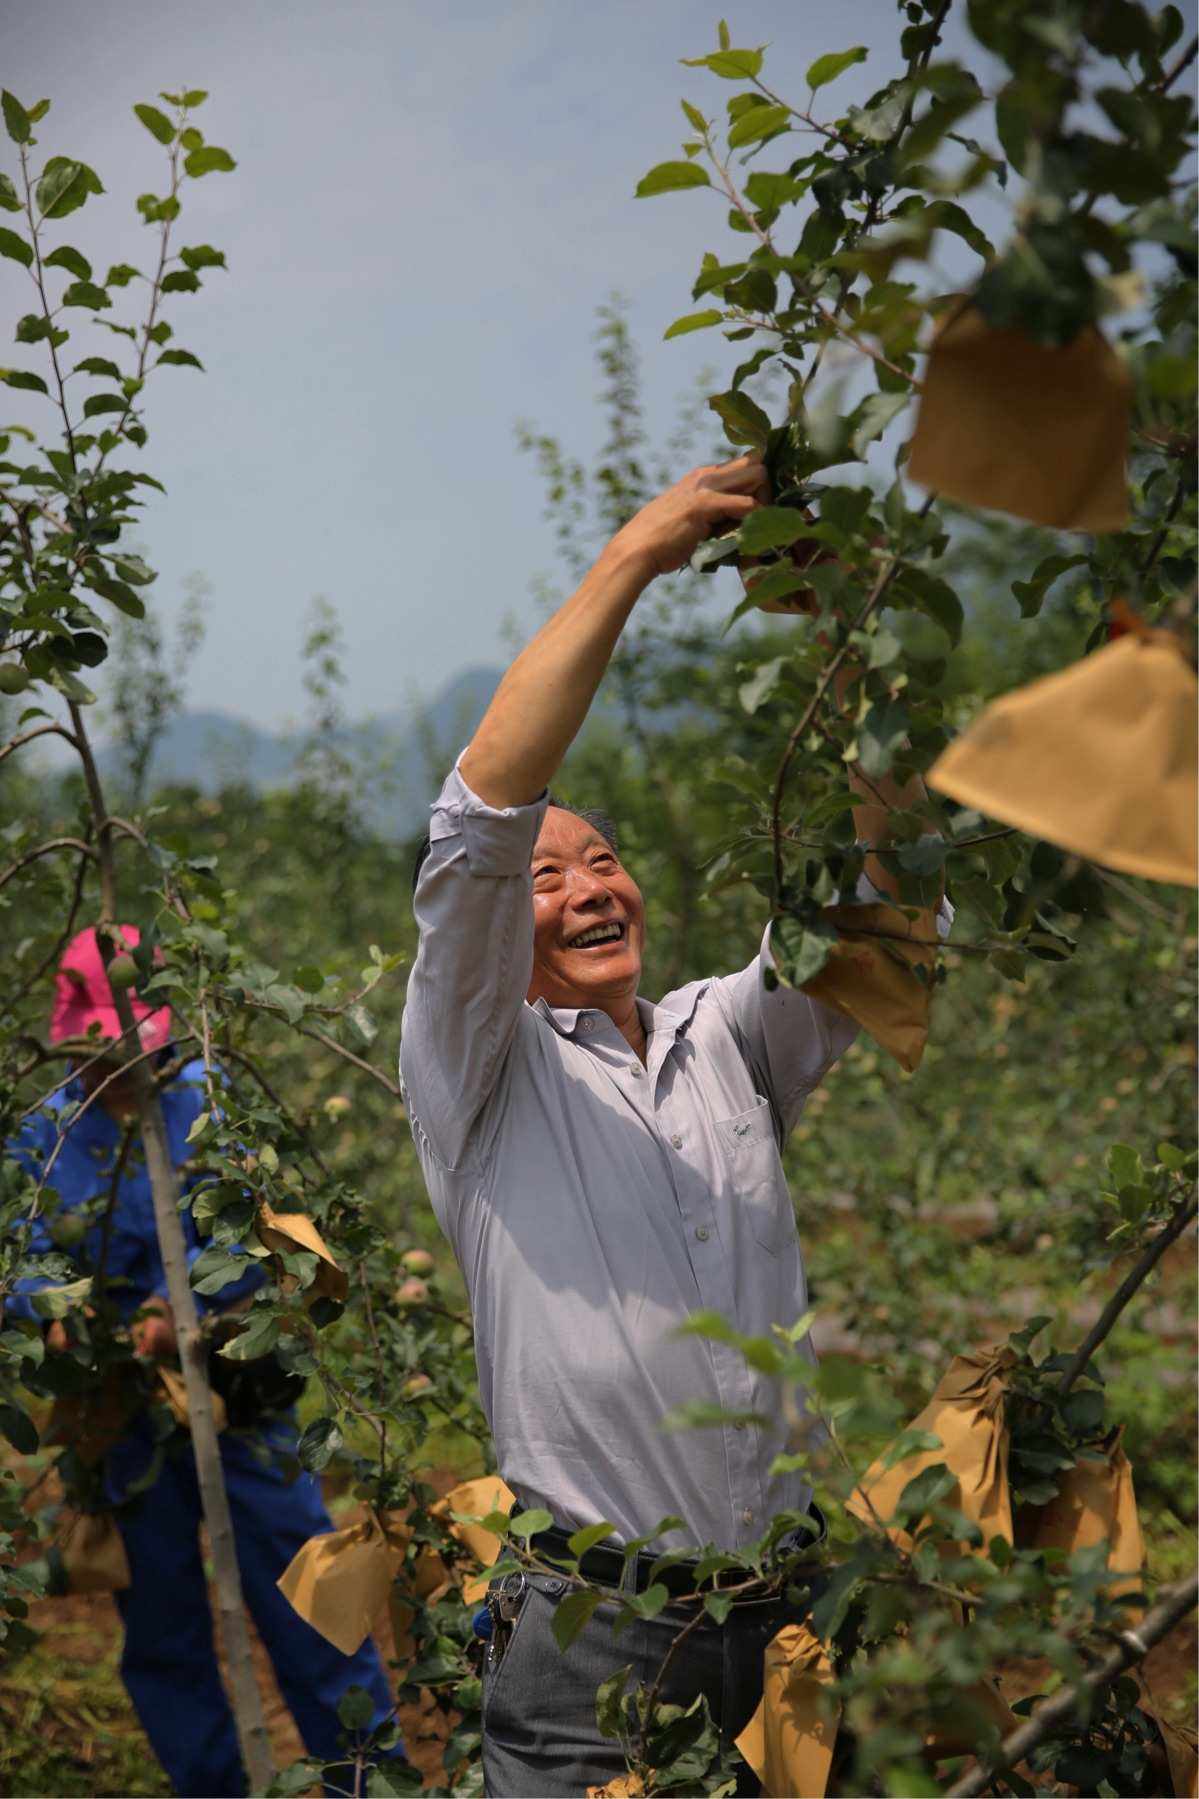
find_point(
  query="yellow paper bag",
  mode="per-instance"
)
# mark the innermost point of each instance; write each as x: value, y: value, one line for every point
x: 1096, y: 1502
x: 790, y: 1739
x: 966, y: 1412
x: 340, y: 1581
x: 290, y: 1231
x: 1182, y: 1758
x: 478, y: 1497
x: 625, y: 1786
x: 863, y: 980
x: 174, y: 1391
x: 1100, y: 759
x: 93, y: 1553
x: 979, y: 1706
x: 1039, y: 430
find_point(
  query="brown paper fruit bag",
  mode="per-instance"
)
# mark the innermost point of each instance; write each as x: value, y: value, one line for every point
x: 289, y: 1231
x: 479, y: 1498
x: 1100, y: 759
x: 966, y: 1412
x: 340, y: 1581
x: 863, y: 979
x: 1038, y: 430
x: 790, y: 1739
x: 1095, y: 1503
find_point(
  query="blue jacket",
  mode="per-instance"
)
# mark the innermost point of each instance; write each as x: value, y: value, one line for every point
x: 133, y: 1270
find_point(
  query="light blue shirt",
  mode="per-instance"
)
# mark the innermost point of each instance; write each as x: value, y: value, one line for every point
x: 594, y: 1204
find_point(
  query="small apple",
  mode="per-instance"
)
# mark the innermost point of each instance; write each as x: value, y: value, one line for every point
x: 13, y: 678
x: 68, y: 1230
x: 412, y: 1292
x: 337, y: 1105
x: 122, y: 973
x: 418, y: 1384
x: 417, y: 1261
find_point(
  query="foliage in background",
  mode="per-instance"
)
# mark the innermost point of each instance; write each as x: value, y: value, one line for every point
x: 936, y: 1210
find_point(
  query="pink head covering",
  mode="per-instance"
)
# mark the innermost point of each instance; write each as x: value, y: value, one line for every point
x: 83, y: 997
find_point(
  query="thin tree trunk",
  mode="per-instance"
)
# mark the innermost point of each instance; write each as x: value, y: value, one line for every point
x: 244, y: 1696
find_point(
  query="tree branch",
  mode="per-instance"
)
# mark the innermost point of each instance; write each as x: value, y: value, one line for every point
x: 1185, y: 1212
x: 1064, y: 1707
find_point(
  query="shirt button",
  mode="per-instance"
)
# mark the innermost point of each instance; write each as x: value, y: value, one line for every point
x: 747, y: 1516
x: 703, y: 1233
x: 676, y: 1142
x: 636, y: 1071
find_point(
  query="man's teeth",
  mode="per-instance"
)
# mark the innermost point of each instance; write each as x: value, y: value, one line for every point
x: 602, y: 933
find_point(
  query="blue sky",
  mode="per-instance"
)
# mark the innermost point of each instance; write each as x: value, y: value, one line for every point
x: 429, y: 204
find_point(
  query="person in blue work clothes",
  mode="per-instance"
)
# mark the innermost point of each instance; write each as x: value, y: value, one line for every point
x: 169, y: 1662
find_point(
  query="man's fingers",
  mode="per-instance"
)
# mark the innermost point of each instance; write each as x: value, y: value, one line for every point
x: 727, y: 505
x: 742, y: 475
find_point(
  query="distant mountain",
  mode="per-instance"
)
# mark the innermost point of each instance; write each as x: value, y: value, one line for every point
x: 404, y: 754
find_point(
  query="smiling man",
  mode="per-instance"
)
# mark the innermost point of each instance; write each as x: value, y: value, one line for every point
x: 603, y: 1168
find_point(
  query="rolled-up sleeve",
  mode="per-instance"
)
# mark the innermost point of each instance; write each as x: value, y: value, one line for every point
x: 474, y: 913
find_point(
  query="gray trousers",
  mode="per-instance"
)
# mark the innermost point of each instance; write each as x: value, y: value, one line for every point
x: 540, y: 1735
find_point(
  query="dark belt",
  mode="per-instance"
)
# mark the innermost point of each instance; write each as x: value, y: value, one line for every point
x: 608, y: 1568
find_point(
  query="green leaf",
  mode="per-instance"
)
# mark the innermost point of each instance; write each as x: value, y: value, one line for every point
x: 761, y: 684
x: 772, y: 528
x: 924, y: 1491
x: 667, y: 177
x: 20, y: 1429
x: 355, y: 1708
x: 33, y: 328
x: 56, y: 1302
x: 180, y: 281
x: 86, y: 293
x: 10, y: 200
x: 799, y: 953
x: 60, y: 174
x: 98, y: 365
x: 909, y: 1442
x: 208, y: 160
x: 718, y: 1605
x: 67, y: 258
x: 730, y: 65
x: 586, y: 1538
x: 156, y: 123
x: 318, y: 1444
x: 193, y: 96
x: 758, y: 122
x: 929, y: 594
x: 16, y: 247
x: 257, y: 1338
x: 58, y: 196
x: 180, y: 359
x: 873, y: 416
x: 571, y: 1614
x: 1031, y: 593
x: 744, y: 420
x: 528, y: 1524
x: 693, y: 116
x: 827, y: 68
x: 880, y: 736
x: 692, y: 321
x: 773, y: 583
x: 25, y: 379
x: 16, y: 119
x: 202, y: 256
x: 99, y: 403
x: 609, y: 1697
x: 121, y: 274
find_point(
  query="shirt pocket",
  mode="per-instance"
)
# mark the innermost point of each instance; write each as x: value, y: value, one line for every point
x: 756, y: 1174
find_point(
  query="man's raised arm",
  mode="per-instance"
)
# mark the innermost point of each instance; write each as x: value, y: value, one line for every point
x: 544, y: 697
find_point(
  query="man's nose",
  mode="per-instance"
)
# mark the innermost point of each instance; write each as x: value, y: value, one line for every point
x: 585, y: 887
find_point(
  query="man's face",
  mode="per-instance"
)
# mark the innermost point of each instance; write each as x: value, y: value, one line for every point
x: 588, y: 918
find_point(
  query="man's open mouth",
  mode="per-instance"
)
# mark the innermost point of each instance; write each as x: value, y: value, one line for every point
x: 598, y: 936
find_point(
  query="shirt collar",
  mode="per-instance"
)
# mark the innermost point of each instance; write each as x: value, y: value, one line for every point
x: 670, y: 1015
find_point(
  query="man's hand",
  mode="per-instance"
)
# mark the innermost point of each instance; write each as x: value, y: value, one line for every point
x: 667, y: 531
x: 153, y: 1331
